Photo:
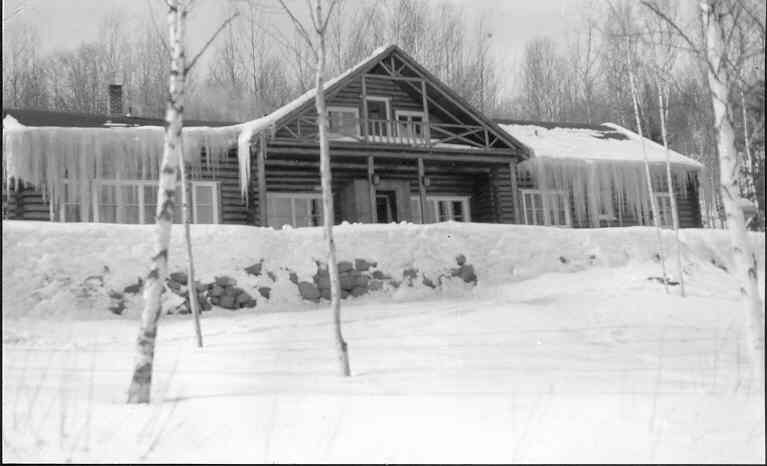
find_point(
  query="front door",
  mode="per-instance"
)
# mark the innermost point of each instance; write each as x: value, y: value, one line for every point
x: 386, y: 206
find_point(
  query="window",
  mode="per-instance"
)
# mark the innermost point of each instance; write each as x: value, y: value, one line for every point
x: 663, y: 201
x: 557, y: 213
x: 441, y: 209
x: 70, y: 207
x: 378, y: 116
x: 409, y: 124
x: 343, y: 121
x: 135, y: 201
x: 294, y: 209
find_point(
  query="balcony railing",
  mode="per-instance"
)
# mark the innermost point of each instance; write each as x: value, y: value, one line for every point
x: 397, y: 132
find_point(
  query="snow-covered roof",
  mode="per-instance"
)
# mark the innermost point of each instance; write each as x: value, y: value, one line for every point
x: 605, y: 142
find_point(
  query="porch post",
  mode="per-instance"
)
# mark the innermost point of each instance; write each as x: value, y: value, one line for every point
x: 422, y: 189
x: 261, y: 165
x: 364, y: 110
x: 515, y: 192
x: 426, y: 128
x: 372, y: 191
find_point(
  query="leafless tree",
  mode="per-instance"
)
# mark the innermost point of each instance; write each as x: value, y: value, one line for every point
x: 719, y: 19
x: 172, y: 162
x: 315, y: 37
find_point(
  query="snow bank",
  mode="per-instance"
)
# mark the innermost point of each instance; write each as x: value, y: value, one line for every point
x: 68, y: 268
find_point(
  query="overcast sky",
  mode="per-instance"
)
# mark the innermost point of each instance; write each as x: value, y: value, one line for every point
x: 66, y: 23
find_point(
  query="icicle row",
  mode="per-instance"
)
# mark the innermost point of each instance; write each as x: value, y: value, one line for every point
x: 614, y: 188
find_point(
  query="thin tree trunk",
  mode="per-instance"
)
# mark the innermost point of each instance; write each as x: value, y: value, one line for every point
x: 141, y: 383
x: 669, y: 181
x: 191, y: 287
x: 744, y: 260
x: 327, y: 205
x: 653, y: 203
x: 190, y: 283
x: 751, y: 179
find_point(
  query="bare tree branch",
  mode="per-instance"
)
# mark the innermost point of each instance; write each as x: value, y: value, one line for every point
x: 210, y: 41
x: 156, y: 28
x: 300, y: 27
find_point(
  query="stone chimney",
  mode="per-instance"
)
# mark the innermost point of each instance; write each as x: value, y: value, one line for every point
x: 115, y: 99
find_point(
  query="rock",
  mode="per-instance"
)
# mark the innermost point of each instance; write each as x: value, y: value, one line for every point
x: 179, y: 277
x: 362, y: 265
x: 563, y: 259
x: 225, y: 281
x: 428, y: 282
x: 410, y: 273
x: 308, y: 291
x: 375, y: 285
x: 204, y: 304
x: 293, y: 277
x: 265, y: 291
x: 344, y: 294
x: 358, y: 291
x: 216, y: 291
x: 271, y: 276
x: 135, y: 288
x: 227, y: 302
x: 466, y: 272
x: 244, y: 299
x: 254, y: 269
x: 117, y: 307
x: 395, y: 283
x: 115, y: 294
x: 174, y: 286
x: 322, y: 279
x: 345, y: 266
x: 378, y: 275
x: 460, y: 259
x: 347, y: 280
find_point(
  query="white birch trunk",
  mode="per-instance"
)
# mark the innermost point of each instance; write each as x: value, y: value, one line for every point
x: 744, y: 260
x: 669, y: 180
x: 327, y: 203
x: 653, y: 203
x: 140, y: 387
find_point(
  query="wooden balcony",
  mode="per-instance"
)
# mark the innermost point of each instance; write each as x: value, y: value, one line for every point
x: 395, y: 132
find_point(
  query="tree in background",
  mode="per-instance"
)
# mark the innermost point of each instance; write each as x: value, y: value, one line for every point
x: 719, y: 20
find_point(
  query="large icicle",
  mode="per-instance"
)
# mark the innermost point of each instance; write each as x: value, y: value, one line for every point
x: 616, y: 188
x: 52, y: 157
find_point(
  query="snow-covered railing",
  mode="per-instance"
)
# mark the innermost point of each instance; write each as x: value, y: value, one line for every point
x: 378, y: 131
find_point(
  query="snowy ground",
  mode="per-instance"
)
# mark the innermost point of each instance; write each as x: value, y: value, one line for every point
x: 544, y: 361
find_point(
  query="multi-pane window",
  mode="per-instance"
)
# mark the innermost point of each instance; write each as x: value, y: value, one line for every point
x: 409, y: 124
x: 135, y: 202
x: 343, y: 121
x: 378, y: 116
x: 441, y: 209
x: 663, y: 201
x: 70, y: 207
x: 536, y: 211
x: 294, y: 209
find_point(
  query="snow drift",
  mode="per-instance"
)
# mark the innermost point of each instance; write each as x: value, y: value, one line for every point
x: 51, y: 268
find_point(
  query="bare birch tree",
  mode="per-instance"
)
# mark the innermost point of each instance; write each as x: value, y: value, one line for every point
x: 170, y: 168
x: 718, y: 18
x: 316, y: 42
x: 141, y: 383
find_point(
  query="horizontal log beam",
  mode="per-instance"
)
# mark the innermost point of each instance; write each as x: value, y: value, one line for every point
x: 393, y: 154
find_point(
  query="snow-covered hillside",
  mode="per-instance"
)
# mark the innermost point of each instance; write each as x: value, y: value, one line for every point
x: 564, y: 351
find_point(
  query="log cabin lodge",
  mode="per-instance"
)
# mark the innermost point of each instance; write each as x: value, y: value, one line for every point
x: 404, y: 147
